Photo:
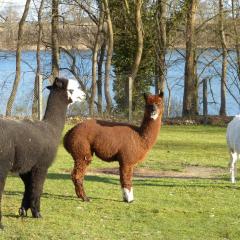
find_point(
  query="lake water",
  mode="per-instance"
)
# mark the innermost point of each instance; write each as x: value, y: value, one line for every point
x: 175, y: 76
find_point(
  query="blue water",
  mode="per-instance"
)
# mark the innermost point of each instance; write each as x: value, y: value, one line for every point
x: 175, y: 76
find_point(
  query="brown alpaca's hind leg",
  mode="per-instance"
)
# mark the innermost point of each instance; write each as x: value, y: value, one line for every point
x: 78, y: 174
x: 126, y: 172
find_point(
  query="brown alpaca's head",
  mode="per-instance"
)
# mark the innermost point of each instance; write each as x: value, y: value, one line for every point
x: 153, y: 105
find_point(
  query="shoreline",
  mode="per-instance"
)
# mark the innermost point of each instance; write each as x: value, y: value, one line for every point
x: 85, y: 48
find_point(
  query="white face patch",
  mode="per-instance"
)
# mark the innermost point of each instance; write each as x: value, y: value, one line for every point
x: 74, y: 91
x: 155, y: 115
x: 128, y: 195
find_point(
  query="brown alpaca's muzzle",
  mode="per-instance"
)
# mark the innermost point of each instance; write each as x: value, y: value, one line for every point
x: 154, y: 111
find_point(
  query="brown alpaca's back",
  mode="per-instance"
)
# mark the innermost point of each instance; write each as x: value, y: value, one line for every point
x: 108, y: 140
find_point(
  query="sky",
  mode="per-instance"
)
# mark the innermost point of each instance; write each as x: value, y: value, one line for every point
x: 17, y: 5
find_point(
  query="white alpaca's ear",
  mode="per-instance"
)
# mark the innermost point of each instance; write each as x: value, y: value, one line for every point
x: 127, y: 195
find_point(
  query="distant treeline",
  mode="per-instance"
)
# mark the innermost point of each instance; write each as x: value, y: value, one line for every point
x: 81, y: 35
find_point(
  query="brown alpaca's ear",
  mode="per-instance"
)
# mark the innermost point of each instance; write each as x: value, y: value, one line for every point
x: 161, y: 94
x: 145, y: 95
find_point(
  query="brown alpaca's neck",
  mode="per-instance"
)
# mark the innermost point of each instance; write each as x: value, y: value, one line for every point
x: 149, y: 130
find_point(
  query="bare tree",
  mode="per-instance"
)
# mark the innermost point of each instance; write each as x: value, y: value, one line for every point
x: 55, y: 39
x: 109, y: 57
x: 190, y: 98
x: 38, y: 70
x: 205, y: 97
x: 161, y: 45
x: 138, y: 53
x: 95, y: 61
x: 101, y: 55
x: 222, y: 111
x: 235, y: 16
x: 18, y: 59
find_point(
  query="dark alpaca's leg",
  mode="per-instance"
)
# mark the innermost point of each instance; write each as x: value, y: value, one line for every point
x: 26, y: 178
x: 78, y: 174
x: 126, y: 172
x: 2, y: 183
x: 38, y: 176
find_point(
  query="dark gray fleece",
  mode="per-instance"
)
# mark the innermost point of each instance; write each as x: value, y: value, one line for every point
x: 29, y: 147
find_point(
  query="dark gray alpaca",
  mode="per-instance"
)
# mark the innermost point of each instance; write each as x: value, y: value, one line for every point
x: 29, y: 147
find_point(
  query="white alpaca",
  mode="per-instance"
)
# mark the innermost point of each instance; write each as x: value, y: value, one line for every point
x: 233, y: 141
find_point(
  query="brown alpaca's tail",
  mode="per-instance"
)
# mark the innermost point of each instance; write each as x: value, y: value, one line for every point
x: 66, y: 140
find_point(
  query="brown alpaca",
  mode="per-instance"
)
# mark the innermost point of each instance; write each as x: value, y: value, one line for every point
x: 112, y: 141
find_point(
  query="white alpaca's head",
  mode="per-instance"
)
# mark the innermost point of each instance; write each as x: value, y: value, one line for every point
x: 75, y: 94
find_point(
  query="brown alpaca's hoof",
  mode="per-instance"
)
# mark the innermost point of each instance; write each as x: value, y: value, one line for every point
x: 1, y: 226
x: 126, y: 201
x: 22, y: 212
x: 127, y: 195
x: 86, y: 199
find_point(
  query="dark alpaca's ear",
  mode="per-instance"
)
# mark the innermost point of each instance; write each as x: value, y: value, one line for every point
x: 58, y: 82
x: 161, y: 94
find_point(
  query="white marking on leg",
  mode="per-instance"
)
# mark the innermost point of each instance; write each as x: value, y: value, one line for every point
x: 128, y: 195
x: 233, y: 169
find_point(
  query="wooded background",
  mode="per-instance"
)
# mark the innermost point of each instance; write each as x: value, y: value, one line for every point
x: 128, y: 41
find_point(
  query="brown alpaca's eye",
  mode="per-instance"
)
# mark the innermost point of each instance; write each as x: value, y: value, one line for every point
x: 71, y: 91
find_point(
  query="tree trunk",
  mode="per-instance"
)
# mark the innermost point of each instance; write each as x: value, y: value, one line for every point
x: 38, y: 71
x: 222, y: 111
x: 18, y: 59
x: 138, y: 54
x: 109, y: 58
x: 205, y: 97
x: 94, y: 63
x: 161, y: 45
x: 100, y: 77
x: 190, y: 98
x: 55, y: 42
x: 169, y: 102
x: 235, y: 16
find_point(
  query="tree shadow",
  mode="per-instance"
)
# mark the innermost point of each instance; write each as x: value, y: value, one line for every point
x: 161, y: 182
x: 90, y: 178
x: 186, y: 184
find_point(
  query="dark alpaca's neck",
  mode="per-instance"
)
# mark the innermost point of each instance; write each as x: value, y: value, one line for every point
x: 149, y: 130
x: 56, y: 110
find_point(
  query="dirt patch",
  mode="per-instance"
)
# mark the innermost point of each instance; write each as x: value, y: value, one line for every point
x: 188, y: 172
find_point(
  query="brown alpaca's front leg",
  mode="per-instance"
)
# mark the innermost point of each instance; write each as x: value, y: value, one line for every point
x: 78, y: 174
x: 126, y: 172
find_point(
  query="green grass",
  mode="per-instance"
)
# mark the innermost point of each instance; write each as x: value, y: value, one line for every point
x: 180, y: 146
x: 164, y: 208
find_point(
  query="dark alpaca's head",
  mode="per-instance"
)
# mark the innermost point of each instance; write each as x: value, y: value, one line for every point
x: 69, y: 88
x: 153, y: 105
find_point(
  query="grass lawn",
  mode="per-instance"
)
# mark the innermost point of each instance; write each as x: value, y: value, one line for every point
x: 164, y: 208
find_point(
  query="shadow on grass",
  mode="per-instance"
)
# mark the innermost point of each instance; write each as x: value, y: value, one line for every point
x: 205, y: 183
x: 217, y: 182
x: 90, y: 178
x: 163, y: 182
